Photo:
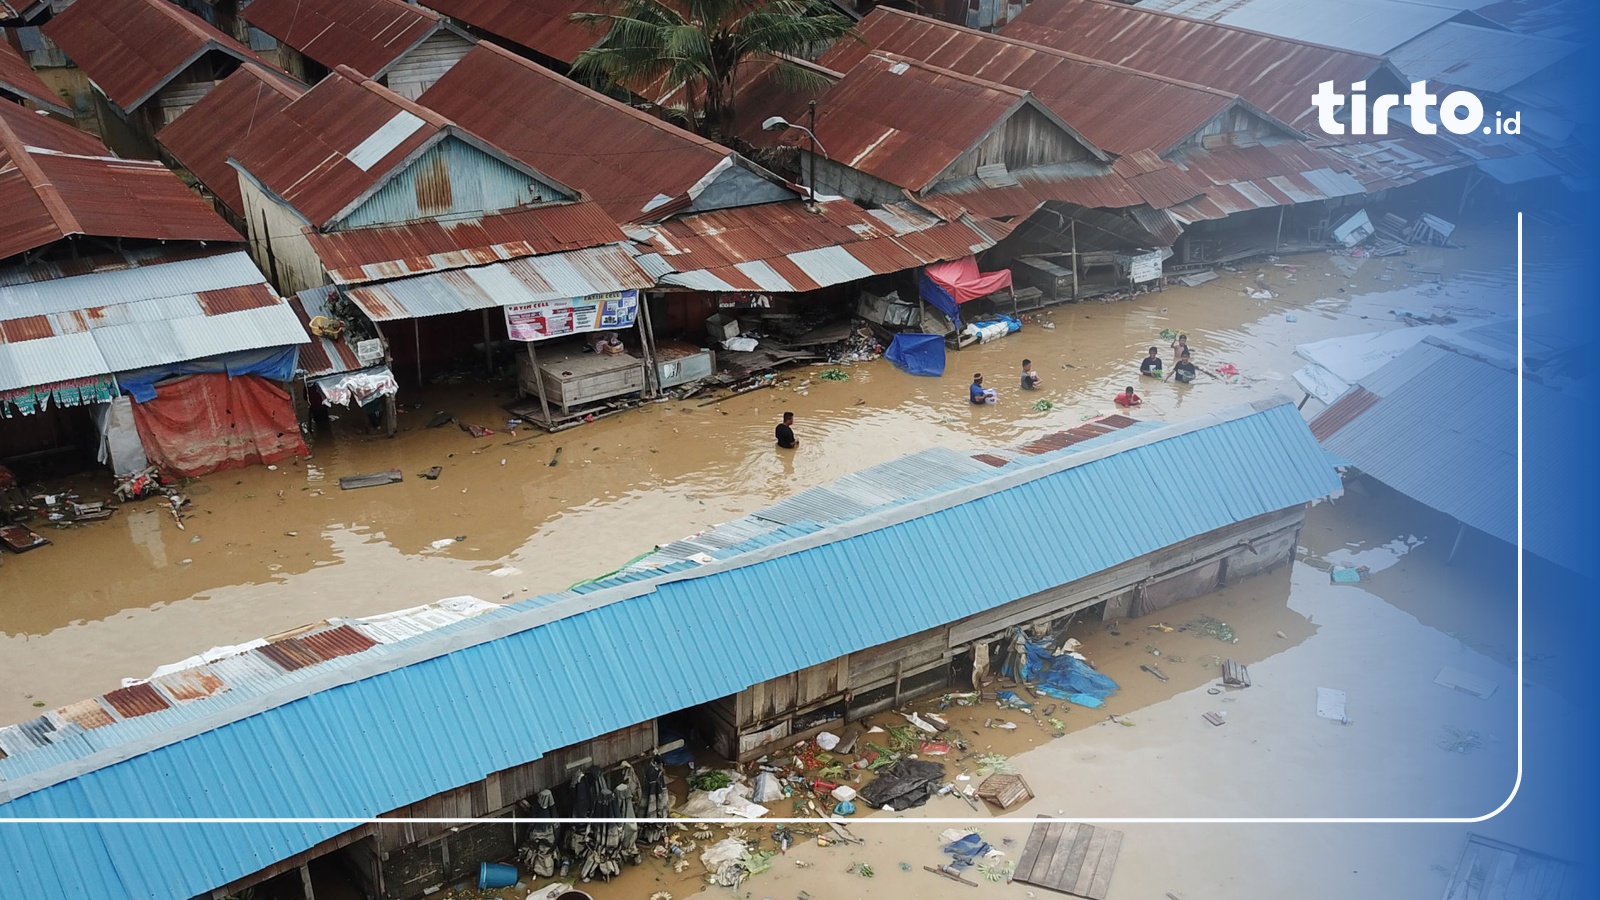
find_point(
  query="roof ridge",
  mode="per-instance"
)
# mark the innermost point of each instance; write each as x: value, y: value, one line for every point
x: 432, y: 117
x: 43, y: 187
x: 277, y: 81
x: 1058, y: 52
x: 190, y: 22
x: 949, y: 73
x: 1250, y: 31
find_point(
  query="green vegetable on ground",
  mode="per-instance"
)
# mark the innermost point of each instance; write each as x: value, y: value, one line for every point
x: 834, y: 375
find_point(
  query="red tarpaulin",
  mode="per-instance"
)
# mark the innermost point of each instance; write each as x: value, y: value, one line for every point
x: 201, y: 423
x: 962, y: 280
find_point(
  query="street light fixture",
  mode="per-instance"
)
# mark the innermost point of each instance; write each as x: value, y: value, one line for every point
x: 778, y: 123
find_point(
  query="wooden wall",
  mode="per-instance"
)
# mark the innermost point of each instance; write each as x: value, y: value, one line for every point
x: 792, y: 707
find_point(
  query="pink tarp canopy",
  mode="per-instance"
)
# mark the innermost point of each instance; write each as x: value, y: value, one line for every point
x: 962, y: 281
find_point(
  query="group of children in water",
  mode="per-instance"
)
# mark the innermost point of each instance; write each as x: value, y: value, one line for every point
x: 1183, y: 372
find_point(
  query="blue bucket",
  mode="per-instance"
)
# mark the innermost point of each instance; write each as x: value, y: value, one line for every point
x: 495, y: 875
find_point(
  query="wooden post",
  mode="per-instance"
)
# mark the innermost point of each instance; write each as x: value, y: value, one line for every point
x: 1303, y: 401
x: 1073, y: 228
x: 538, y: 382
x: 1277, y: 242
x: 488, y: 347
x: 647, y: 335
x: 391, y: 418
x: 416, y: 333
x: 1457, y: 545
x: 305, y: 882
x: 899, y: 667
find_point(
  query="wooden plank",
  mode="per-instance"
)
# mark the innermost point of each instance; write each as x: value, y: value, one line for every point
x: 1064, y: 870
x: 1030, y: 850
x: 1107, y: 864
x: 1047, y: 850
x: 375, y: 479
x: 1090, y: 863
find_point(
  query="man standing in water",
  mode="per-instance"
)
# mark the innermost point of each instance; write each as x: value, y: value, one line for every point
x: 785, y: 432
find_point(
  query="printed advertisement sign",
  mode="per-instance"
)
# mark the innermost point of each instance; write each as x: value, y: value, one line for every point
x: 554, y: 318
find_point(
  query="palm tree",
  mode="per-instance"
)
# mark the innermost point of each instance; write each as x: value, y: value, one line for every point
x: 699, y: 46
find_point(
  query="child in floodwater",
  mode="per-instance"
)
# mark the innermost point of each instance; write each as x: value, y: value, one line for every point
x: 1151, y: 364
x: 1184, y: 371
x: 1180, y: 346
x: 1030, y: 378
x: 1128, y: 398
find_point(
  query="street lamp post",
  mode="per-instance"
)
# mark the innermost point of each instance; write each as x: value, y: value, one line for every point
x: 778, y: 123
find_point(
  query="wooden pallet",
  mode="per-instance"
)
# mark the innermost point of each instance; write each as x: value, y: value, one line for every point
x: 1235, y: 675
x: 1069, y: 857
x: 1005, y: 791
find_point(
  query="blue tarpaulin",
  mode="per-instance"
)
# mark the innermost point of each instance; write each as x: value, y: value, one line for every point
x: 935, y: 294
x: 273, y: 363
x: 1062, y: 677
x: 919, y: 354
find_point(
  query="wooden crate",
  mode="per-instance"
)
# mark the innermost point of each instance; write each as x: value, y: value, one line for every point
x: 574, y: 379
x: 1005, y: 791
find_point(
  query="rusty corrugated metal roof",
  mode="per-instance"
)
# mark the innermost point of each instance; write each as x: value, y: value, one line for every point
x: 321, y: 356
x: 138, y: 700
x: 203, y: 138
x: 1118, y: 108
x: 341, y: 640
x: 304, y: 152
x: 17, y: 77
x: 1276, y: 74
x: 623, y: 158
x: 543, y: 26
x: 360, y: 255
x: 133, y: 48
x: 905, y: 122
x: 575, y: 273
x: 62, y: 190
x: 782, y: 247
x: 366, y: 35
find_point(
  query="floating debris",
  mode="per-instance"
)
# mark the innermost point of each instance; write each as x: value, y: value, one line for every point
x: 834, y: 375
x: 1043, y: 406
x: 995, y: 764
x: 1211, y: 627
x: 1457, y: 740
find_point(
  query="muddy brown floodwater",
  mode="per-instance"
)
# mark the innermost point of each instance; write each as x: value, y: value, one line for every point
x: 1273, y: 757
x: 268, y: 550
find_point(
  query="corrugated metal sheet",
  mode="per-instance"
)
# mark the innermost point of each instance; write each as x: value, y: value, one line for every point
x: 1482, y: 59
x: 439, y: 723
x: 361, y: 255
x: 544, y: 27
x: 782, y: 247
x: 1271, y: 72
x: 321, y: 356
x: 1244, y: 178
x: 578, y: 273
x: 206, y: 136
x: 366, y: 35
x: 152, y: 314
x: 302, y: 153
x: 627, y: 158
x: 133, y: 48
x: 17, y: 77
x: 1366, y: 26
x: 1118, y: 109
x: 1559, y: 19
x: 54, y: 184
x: 1438, y: 424
x: 905, y: 122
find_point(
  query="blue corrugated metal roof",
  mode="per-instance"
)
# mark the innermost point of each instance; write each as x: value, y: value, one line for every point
x: 448, y: 708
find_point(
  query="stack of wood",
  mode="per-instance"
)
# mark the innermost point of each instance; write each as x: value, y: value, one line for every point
x: 1235, y: 675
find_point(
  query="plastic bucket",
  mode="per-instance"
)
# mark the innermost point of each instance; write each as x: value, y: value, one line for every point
x: 574, y: 895
x: 495, y: 875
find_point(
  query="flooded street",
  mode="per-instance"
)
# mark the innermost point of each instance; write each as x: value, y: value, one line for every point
x: 1411, y: 748
x: 268, y: 550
